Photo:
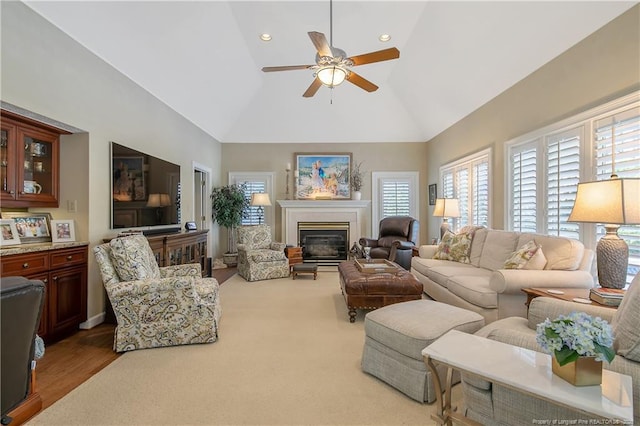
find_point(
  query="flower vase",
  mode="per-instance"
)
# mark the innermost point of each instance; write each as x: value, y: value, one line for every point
x: 585, y: 371
x: 357, y: 195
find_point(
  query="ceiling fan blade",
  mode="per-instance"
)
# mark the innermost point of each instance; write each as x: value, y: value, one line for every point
x: 321, y: 43
x: 378, y: 56
x: 361, y: 82
x: 313, y: 88
x: 286, y: 68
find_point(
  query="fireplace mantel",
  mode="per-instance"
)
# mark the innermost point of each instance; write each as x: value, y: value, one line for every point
x: 314, y: 204
x: 352, y: 211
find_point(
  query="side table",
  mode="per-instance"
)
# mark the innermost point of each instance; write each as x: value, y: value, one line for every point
x: 294, y: 254
x: 567, y: 294
x: 525, y: 371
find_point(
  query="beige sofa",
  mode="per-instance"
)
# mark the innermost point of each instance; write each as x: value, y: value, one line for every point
x: 484, y: 286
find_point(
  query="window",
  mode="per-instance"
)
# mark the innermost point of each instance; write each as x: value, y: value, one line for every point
x: 255, y: 182
x: 468, y: 181
x: 545, y: 167
x: 394, y: 194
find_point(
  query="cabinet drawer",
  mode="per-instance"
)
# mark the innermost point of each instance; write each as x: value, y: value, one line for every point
x: 68, y: 257
x: 24, y: 264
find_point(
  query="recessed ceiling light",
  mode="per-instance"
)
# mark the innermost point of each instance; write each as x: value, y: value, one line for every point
x: 384, y: 37
x: 265, y: 37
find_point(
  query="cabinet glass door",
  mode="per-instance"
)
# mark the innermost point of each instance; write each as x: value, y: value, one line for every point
x: 37, y: 166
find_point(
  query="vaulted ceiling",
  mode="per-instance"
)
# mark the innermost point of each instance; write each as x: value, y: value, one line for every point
x: 204, y: 59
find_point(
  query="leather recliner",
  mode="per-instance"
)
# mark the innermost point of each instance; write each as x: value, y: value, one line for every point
x: 21, y: 302
x: 396, y: 239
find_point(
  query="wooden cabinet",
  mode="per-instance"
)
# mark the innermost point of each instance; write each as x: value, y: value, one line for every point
x: 179, y: 248
x: 29, y: 163
x: 64, y: 273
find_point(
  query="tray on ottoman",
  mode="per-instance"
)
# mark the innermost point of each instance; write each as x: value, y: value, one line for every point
x: 373, y: 266
x: 371, y: 291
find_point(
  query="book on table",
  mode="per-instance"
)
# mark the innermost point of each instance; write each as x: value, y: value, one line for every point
x: 607, y: 296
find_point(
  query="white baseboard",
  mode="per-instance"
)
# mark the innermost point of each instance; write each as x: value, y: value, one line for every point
x: 93, y: 321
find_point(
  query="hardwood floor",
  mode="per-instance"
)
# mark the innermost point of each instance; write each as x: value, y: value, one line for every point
x: 70, y: 362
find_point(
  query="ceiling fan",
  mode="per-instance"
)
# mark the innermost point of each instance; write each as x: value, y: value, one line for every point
x: 333, y: 66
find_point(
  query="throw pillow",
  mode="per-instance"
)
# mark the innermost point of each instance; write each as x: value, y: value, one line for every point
x: 444, y: 247
x: 133, y: 258
x: 537, y: 262
x: 520, y: 257
x: 625, y: 323
x: 455, y: 247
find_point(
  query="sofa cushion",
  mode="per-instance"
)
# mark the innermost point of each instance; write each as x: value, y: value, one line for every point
x: 474, y: 289
x: 521, y: 257
x: 477, y: 244
x: 625, y: 323
x: 562, y: 253
x: 133, y: 258
x: 497, y: 248
x: 440, y: 274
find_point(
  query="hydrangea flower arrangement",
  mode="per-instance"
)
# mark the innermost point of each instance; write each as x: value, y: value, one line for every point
x: 569, y: 337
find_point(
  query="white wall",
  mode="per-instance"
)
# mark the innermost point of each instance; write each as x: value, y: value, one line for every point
x: 45, y: 71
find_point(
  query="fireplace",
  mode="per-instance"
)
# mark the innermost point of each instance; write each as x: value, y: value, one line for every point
x: 324, y: 243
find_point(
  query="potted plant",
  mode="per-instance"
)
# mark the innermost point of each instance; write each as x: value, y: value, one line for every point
x: 578, y: 343
x: 228, y: 207
x: 357, y: 178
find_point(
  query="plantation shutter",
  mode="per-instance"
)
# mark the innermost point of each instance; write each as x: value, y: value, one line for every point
x: 463, y: 196
x: 627, y: 164
x: 468, y: 181
x: 480, y: 204
x: 524, y: 188
x: 396, y: 196
x: 563, y: 175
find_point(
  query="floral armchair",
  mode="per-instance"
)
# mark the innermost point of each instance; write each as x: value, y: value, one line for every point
x: 259, y: 258
x: 156, y: 306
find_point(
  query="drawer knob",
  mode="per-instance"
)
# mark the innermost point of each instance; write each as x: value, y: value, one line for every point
x: 45, y: 280
x: 25, y: 265
x: 70, y: 257
x: 55, y: 278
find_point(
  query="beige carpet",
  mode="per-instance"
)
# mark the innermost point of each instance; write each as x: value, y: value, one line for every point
x: 287, y: 354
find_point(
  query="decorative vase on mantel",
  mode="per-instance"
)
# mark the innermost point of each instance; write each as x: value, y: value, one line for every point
x: 585, y: 371
x: 357, y: 195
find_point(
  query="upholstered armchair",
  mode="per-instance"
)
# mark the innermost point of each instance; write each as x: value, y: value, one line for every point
x: 489, y: 403
x: 155, y: 306
x: 396, y: 239
x: 260, y: 258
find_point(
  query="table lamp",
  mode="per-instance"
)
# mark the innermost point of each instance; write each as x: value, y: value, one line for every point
x: 446, y: 208
x: 612, y: 202
x: 260, y: 200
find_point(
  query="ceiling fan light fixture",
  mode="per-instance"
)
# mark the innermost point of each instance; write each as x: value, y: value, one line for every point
x: 332, y: 75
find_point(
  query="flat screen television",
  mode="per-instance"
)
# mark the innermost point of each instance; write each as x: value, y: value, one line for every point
x: 145, y: 191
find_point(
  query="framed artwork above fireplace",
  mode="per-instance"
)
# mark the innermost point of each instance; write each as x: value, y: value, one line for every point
x: 323, y: 176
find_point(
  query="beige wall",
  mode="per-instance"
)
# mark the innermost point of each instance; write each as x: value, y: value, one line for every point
x: 45, y: 71
x: 600, y: 68
x: 380, y: 157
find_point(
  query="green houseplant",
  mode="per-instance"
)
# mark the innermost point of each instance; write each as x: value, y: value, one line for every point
x: 228, y: 207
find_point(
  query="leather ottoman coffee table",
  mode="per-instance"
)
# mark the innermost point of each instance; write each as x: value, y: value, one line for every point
x: 375, y: 290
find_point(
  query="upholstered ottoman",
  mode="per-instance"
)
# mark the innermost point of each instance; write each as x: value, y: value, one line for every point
x: 375, y: 290
x: 396, y: 336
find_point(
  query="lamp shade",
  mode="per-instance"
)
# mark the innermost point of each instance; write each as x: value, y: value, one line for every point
x: 260, y: 199
x: 446, y: 207
x: 612, y: 201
